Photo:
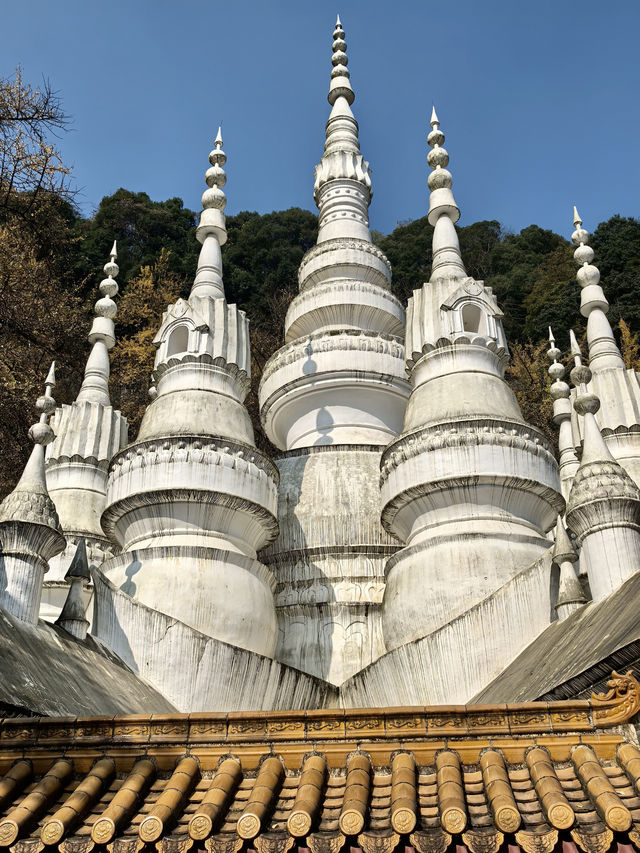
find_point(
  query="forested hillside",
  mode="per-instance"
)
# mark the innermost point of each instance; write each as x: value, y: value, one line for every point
x: 51, y: 260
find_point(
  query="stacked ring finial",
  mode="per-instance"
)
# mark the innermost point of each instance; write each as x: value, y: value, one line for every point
x: 340, y: 83
x: 215, y: 176
x: 41, y: 432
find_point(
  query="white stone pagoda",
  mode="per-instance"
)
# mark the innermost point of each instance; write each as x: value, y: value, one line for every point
x: 411, y: 538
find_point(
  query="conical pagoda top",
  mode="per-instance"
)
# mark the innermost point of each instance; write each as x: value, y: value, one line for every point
x: 30, y: 501
x: 212, y: 228
x: 95, y: 385
x: 443, y: 210
x: 603, y: 349
x: 340, y: 85
x: 342, y: 188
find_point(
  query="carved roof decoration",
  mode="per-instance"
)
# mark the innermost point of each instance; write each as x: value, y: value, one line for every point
x: 536, y: 777
x: 473, y: 290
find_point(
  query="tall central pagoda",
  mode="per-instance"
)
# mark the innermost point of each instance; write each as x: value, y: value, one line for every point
x: 332, y: 398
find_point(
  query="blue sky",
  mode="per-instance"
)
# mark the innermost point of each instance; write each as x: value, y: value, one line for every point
x: 539, y: 101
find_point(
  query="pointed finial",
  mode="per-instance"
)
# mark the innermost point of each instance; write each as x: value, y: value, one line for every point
x: 570, y: 593
x: 50, y: 381
x: 575, y: 347
x: 213, y: 198
x: 79, y: 567
x: 576, y: 217
x: 340, y: 85
x: 556, y: 370
x: 563, y: 550
x: 113, y: 254
x: 441, y: 200
x: 41, y: 432
x: 72, y: 616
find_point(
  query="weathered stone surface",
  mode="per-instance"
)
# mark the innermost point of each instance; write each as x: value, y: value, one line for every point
x: 194, y: 671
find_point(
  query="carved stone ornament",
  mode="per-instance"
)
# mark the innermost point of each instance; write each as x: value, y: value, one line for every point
x: 472, y: 287
x: 223, y: 843
x: 76, y: 845
x: 28, y: 845
x: 537, y: 842
x: 325, y: 842
x: 273, y: 843
x: 383, y: 842
x: 593, y: 842
x: 483, y: 842
x: 174, y: 844
x: 620, y: 703
x: 126, y: 845
x: 435, y: 841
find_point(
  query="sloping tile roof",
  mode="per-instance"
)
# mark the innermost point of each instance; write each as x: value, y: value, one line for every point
x: 537, y: 777
x: 566, y: 649
x: 44, y: 670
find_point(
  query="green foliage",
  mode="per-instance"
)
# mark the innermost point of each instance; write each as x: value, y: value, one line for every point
x: 616, y: 243
x: 263, y: 253
x: 143, y: 229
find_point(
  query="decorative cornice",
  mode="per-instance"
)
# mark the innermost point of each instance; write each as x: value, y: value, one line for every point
x: 340, y: 244
x: 468, y: 432
x: 455, y: 340
x: 163, y: 449
x: 236, y: 373
x: 341, y: 340
x: 121, y: 506
x: 619, y: 705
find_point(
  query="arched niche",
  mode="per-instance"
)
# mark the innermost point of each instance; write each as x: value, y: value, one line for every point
x: 178, y: 340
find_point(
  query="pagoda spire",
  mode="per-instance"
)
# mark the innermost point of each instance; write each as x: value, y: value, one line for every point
x: 87, y: 435
x: 603, y: 509
x: 72, y: 617
x: 560, y: 394
x: 30, y: 531
x: 603, y: 349
x: 95, y: 385
x: 570, y: 594
x: 331, y: 398
x: 443, y: 210
x: 212, y: 229
x: 342, y: 187
x: 193, y: 487
x: 587, y: 404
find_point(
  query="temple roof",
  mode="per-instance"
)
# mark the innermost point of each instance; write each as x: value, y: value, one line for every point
x: 573, y: 654
x: 535, y: 777
x: 44, y: 670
